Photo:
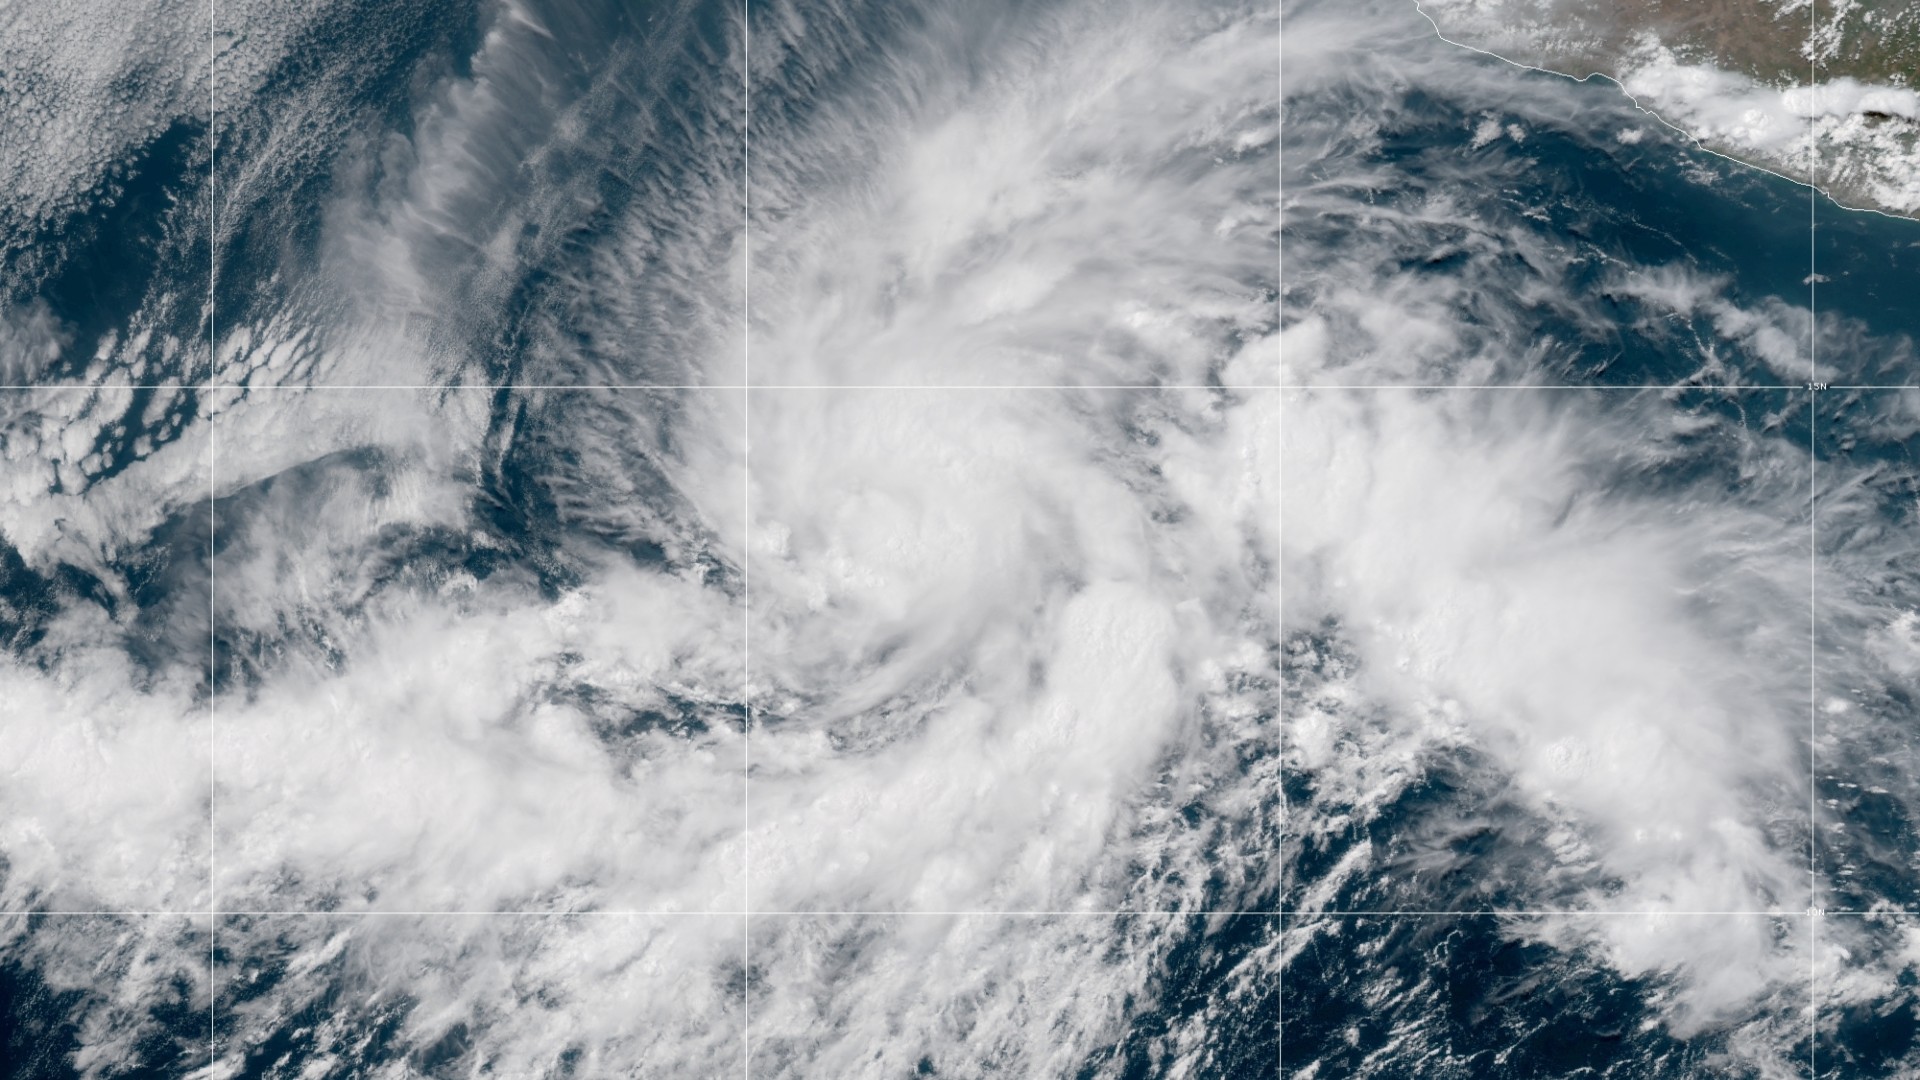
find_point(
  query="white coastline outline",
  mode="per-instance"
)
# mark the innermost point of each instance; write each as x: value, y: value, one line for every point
x: 1698, y: 144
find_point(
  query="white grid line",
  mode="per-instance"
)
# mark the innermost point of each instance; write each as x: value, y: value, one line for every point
x: 213, y: 274
x: 1813, y: 553
x: 1280, y: 519
x: 1534, y: 913
x: 1623, y: 387
x: 746, y: 540
x: 982, y: 913
x: 736, y: 388
x: 1146, y: 913
x: 977, y: 913
x: 1238, y: 388
x: 920, y: 387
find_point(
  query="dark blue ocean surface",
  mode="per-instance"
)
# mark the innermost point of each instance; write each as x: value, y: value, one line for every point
x: 424, y: 655
x: 1699, y: 365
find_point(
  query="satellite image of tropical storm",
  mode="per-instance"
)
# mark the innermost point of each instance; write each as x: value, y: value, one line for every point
x: 842, y: 539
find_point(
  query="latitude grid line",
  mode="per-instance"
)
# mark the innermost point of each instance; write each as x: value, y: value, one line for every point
x: 977, y: 387
x: 977, y: 913
x: 723, y: 387
x: 774, y: 913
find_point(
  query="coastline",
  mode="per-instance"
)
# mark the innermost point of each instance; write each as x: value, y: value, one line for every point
x: 1844, y: 198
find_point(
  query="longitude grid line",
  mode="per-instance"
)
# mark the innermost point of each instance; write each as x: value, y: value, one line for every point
x: 1280, y: 525
x: 213, y: 919
x: 1813, y: 548
x: 746, y: 539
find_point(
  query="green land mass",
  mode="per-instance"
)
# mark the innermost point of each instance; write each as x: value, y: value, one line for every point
x: 1869, y: 157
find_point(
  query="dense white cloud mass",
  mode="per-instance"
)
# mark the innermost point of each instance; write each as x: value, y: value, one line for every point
x: 988, y: 553
x: 632, y: 603
x: 1630, y: 676
x: 1547, y: 645
x: 1097, y: 210
x: 987, y: 617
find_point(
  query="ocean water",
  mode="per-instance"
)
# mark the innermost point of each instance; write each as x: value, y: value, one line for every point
x: 581, y: 539
x: 1598, y: 491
